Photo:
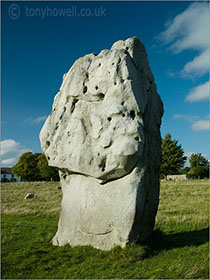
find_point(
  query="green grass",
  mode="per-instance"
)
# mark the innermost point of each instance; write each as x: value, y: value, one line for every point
x: 178, y: 248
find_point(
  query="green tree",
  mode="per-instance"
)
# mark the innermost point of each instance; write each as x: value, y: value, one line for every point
x: 185, y: 170
x: 197, y: 160
x: 34, y: 167
x: 199, y: 166
x: 26, y: 167
x: 173, y: 158
x: 199, y: 171
x: 47, y: 172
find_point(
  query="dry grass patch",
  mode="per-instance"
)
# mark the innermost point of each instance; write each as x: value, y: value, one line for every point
x: 184, y: 202
x: 180, y: 201
x: 47, y: 198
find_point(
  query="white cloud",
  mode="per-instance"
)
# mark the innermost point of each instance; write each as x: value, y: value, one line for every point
x: 199, y: 93
x: 170, y: 73
x: 197, y: 124
x: 8, y: 162
x: 200, y: 125
x: 38, y: 120
x: 189, y: 30
x: 197, y: 67
x: 177, y: 116
x: 11, y: 151
x: 188, y: 118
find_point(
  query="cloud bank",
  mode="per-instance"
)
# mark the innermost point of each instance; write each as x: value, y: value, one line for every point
x: 11, y: 151
x: 190, y: 31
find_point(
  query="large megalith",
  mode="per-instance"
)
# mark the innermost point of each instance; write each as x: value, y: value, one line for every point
x: 104, y: 136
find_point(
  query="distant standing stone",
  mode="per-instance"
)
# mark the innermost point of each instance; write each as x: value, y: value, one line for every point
x: 29, y: 195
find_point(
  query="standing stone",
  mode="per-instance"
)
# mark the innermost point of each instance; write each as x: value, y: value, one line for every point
x: 104, y: 136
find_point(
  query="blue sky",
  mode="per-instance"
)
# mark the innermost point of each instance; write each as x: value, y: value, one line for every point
x: 41, y: 40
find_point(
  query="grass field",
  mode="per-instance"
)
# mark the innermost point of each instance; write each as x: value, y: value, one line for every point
x: 178, y: 248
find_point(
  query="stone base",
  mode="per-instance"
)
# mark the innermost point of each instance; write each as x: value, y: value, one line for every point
x: 102, y: 215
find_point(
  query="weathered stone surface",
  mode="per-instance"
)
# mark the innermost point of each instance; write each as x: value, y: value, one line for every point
x: 103, y: 135
x: 29, y: 195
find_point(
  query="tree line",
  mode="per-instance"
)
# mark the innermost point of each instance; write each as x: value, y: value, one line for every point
x: 173, y: 160
x: 34, y: 167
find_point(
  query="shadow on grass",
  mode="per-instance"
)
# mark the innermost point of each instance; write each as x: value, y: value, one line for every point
x: 190, y: 238
x: 160, y: 241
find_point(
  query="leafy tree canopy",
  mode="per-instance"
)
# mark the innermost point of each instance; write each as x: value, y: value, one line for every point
x: 34, y: 167
x: 199, y: 166
x: 199, y: 171
x: 197, y: 160
x: 26, y: 167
